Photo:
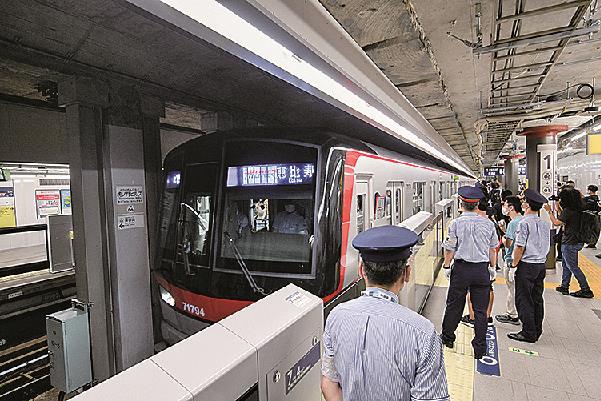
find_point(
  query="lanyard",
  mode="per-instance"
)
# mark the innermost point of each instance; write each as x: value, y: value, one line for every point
x: 380, y: 294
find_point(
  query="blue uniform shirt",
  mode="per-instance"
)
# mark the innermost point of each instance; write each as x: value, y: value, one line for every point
x: 471, y: 237
x: 381, y: 350
x: 535, y: 235
x: 510, y: 234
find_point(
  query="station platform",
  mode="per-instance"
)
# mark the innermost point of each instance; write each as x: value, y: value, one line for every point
x: 565, y: 364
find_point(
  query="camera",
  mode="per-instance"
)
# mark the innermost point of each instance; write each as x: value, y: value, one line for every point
x: 553, y: 197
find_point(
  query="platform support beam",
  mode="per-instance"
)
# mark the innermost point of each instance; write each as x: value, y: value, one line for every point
x: 541, y: 156
x: 114, y: 138
x: 84, y: 100
x: 511, y: 174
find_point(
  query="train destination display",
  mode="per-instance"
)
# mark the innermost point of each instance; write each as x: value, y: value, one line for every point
x: 271, y: 174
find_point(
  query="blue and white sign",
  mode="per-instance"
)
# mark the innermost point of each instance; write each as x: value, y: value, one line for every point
x: 489, y: 363
x: 271, y: 174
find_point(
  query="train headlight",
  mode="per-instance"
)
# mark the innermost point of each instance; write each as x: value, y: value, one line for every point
x: 166, y: 296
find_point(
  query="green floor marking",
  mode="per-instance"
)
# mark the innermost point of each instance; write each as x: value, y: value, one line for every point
x: 523, y: 351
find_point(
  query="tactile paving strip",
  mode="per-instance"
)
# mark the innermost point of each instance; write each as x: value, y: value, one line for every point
x: 459, y: 363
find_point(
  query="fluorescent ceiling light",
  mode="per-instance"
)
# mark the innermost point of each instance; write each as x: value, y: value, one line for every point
x: 220, y: 19
x: 576, y: 137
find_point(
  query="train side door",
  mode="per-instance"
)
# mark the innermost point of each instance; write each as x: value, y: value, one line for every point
x: 397, y: 202
x: 432, y: 196
x: 363, y: 208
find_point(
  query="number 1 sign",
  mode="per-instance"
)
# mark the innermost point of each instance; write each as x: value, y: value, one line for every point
x: 547, y: 154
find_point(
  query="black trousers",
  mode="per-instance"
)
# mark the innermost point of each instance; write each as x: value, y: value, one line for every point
x: 529, y: 286
x: 475, y: 278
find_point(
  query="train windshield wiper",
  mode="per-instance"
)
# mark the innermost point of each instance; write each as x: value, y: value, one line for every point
x: 251, y: 281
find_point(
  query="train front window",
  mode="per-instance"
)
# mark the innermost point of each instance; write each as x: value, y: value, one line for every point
x: 195, y: 215
x: 268, y: 216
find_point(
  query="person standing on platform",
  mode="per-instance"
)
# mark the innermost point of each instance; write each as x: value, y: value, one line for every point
x: 471, y: 243
x: 512, y: 208
x: 572, y: 205
x: 532, y: 243
x: 375, y: 348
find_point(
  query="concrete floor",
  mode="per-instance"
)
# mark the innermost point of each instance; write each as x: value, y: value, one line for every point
x: 568, y: 364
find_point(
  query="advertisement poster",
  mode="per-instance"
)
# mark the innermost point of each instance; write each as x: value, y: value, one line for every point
x: 7, y: 207
x: 65, y: 201
x: 48, y: 202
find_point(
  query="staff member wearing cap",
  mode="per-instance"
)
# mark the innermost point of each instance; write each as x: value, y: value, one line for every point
x: 471, y: 243
x: 374, y: 348
x: 532, y: 242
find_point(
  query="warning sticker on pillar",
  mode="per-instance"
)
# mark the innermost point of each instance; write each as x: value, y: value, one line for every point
x: 128, y: 221
x: 547, y: 154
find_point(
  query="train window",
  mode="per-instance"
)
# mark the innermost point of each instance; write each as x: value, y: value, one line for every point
x: 360, y: 213
x: 268, y: 208
x: 418, y: 196
x: 195, y: 216
x: 388, y: 205
x: 379, y: 206
x: 272, y: 228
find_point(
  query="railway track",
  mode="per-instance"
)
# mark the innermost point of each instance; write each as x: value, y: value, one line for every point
x: 25, y: 300
x: 24, y: 370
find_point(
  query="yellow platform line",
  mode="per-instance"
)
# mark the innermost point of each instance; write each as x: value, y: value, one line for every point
x: 459, y: 364
x: 459, y: 361
x: 593, y: 274
x: 590, y: 269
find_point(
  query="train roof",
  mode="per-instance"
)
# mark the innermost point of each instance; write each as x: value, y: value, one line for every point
x: 316, y: 136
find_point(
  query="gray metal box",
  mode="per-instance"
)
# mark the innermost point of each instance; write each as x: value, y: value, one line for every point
x: 68, y: 338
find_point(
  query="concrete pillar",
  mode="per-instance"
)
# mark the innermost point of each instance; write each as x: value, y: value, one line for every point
x: 541, y: 154
x: 110, y: 205
x: 83, y: 100
x: 510, y: 179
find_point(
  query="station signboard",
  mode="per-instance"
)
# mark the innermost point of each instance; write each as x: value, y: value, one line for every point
x: 7, y: 207
x: 271, y: 174
x: 494, y: 171
x: 48, y: 202
x: 593, y: 144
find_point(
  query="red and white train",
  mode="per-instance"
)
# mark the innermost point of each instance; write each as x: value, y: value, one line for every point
x: 246, y: 212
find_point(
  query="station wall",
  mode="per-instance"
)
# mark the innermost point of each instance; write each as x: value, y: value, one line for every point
x: 25, y: 187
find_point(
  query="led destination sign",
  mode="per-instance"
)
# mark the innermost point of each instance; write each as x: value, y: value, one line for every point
x: 271, y: 174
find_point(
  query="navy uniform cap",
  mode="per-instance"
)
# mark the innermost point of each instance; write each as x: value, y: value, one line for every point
x: 470, y: 194
x: 385, y: 243
x: 534, y: 196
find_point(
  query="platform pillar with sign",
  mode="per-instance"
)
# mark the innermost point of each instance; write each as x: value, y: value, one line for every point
x: 84, y: 100
x: 105, y: 124
x: 541, y: 155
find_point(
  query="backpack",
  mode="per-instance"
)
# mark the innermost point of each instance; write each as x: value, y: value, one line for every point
x: 589, y: 222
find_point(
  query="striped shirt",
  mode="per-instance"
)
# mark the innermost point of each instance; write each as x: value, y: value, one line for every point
x: 471, y: 236
x: 534, y: 235
x: 378, y: 350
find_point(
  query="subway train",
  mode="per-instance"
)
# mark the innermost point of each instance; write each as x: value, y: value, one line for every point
x: 243, y: 213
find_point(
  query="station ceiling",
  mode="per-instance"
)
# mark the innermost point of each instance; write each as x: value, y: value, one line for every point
x: 480, y: 71
x: 44, y: 42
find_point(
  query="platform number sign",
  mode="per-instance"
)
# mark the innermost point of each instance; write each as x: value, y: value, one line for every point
x: 547, y: 153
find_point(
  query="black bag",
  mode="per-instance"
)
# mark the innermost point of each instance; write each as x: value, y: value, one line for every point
x: 588, y: 227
